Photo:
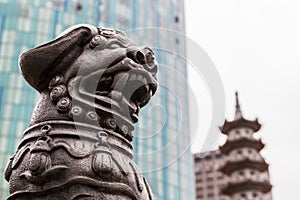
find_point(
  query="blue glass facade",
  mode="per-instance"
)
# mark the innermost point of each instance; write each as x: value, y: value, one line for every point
x: 164, y: 157
x: 1, y: 94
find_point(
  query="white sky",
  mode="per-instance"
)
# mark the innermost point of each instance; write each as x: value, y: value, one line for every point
x: 255, y: 46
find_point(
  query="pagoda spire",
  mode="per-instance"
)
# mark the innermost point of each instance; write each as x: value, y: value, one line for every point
x: 238, y: 112
x: 239, y: 120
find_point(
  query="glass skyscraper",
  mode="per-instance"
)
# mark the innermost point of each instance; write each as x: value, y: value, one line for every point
x: 162, y: 136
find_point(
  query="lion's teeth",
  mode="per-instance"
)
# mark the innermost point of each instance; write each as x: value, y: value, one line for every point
x: 145, y: 81
x: 139, y: 77
x: 132, y: 77
x: 107, y: 78
x: 133, y: 106
x: 120, y: 81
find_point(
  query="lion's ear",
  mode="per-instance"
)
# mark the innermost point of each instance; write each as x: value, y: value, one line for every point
x: 39, y: 64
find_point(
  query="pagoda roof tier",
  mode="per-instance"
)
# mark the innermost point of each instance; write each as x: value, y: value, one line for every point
x: 247, y: 185
x: 240, y: 143
x: 240, y: 122
x: 231, y: 166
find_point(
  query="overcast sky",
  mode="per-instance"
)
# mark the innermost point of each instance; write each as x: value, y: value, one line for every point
x: 255, y: 46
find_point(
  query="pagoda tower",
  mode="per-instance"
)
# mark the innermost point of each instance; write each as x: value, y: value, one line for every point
x: 246, y: 168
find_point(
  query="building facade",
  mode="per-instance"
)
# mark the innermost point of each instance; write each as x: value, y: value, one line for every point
x: 209, y: 180
x: 236, y: 171
x: 162, y: 137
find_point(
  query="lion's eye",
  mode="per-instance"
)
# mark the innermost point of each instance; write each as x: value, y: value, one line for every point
x: 97, y: 40
x: 108, y: 32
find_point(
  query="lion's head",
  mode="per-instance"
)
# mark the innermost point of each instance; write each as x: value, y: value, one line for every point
x: 91, y: 74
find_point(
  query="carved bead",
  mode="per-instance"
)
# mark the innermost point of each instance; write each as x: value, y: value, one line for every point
x: 57, y: 92
x: 76, y: 111
x: 111, y: 123
x: 55, y: 81
x: 92, y: 115
x: 125, y: 129
x: 63, y: 104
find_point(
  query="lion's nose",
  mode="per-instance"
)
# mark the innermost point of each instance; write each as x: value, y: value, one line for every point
x: 146, y: 58
x: 141, y: 58
x: 149, y: 59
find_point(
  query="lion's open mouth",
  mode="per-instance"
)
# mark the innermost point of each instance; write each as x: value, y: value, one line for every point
x: 129, y: 83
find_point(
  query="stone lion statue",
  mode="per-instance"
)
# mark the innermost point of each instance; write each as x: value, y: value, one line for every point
x: 92, y: 82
